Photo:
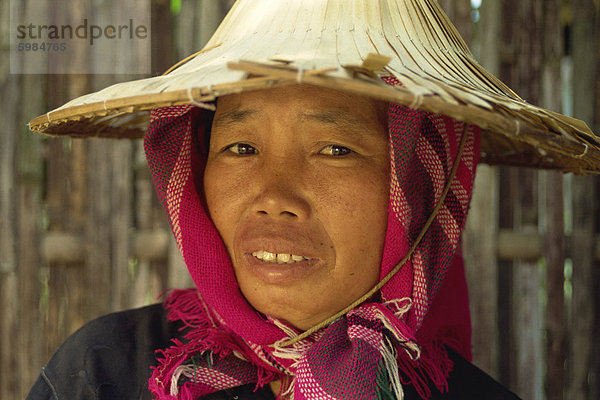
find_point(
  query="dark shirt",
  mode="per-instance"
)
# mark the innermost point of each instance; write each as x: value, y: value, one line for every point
x: 110, y: 358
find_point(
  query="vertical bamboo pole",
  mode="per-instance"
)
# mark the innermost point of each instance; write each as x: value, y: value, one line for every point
x: 553, y: 208
x: 143, y: 216
x: 149, y: 278
x: 527, y: 315
x: 507, y: 204
x: 10, y: 94
x: 522, y: 35
x: 482, y: 225
x: 121, y: 221
x: 107, y: 239
x: 116, y: 171
x: 105, y: 188
x: 555, y: 307
x: 97, y: 228
x: 527, y: 312
x: 162, y: 34
x: 195, y: 24
x: 584, y: 311
x: 29, y: 196
x: 68, y: 301
x: 595, y: 368
x: 28, y: 222
x: 64, y: 310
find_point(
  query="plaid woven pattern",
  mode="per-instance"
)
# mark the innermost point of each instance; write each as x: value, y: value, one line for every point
x: 373, y: 350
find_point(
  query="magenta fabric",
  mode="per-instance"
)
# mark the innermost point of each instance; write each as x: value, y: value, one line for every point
x: 423, y: 308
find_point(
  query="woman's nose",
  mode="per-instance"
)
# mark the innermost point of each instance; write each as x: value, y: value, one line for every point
x: 280, y: 191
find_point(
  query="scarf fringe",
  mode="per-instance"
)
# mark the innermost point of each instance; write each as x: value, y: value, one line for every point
x: 433, y: 366
x: 202, y: 337
x: 391, y: 366
x: 183, y: 305
x: 420, y: 364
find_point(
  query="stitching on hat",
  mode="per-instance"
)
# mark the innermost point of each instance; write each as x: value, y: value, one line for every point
x: 300, y: 75
x: 197, y: 103
x: 584, y: 151
x: 417, y: 101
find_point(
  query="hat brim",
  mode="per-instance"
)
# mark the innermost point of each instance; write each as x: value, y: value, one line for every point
x: 436, y: 69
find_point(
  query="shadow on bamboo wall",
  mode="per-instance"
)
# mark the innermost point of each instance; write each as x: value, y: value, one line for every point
x: 82, y: 234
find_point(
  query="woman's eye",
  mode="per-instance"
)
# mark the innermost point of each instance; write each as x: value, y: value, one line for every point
x: 241, y: 149
x: 335, y: 150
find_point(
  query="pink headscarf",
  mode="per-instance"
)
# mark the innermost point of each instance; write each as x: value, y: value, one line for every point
x: 377, y: 347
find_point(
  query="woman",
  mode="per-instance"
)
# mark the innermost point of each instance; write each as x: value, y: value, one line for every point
x: 297, y: 185
x: 317, y: 196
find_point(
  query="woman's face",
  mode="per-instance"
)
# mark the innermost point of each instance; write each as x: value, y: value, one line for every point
x: 297, y: 183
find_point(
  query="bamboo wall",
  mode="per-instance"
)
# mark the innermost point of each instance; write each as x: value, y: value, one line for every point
x: 82, y: 234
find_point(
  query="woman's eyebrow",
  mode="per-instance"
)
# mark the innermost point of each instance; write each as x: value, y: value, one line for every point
x: 234, y: 116
x: 339, y: 117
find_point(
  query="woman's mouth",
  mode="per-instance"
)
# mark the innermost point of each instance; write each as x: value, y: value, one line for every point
x: 278, y: 258
x: 280, y: 269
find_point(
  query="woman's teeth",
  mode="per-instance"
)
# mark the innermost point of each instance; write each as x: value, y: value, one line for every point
x: 281, y: 258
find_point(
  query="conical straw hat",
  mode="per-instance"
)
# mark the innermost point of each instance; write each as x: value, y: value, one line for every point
x: 347, y: 45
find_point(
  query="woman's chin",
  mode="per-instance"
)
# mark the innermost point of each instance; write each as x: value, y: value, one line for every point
x: 298, y: 309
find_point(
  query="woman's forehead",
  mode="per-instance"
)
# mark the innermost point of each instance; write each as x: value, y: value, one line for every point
x: 326, y: 105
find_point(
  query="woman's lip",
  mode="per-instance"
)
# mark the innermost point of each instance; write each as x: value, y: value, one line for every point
x: 280, y: 238
x: 279, y: 274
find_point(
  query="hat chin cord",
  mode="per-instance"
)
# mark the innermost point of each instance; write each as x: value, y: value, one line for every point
x: 393, y: 272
